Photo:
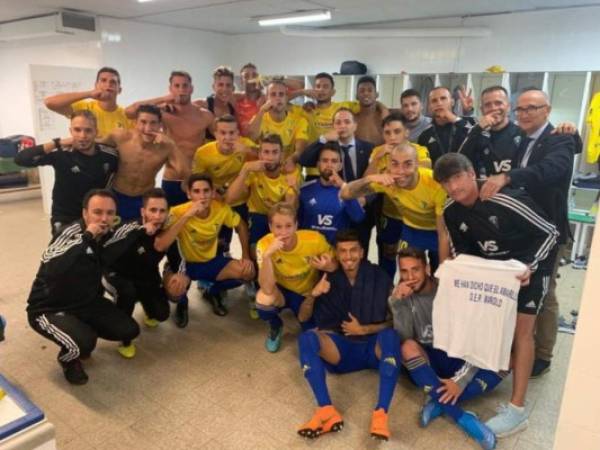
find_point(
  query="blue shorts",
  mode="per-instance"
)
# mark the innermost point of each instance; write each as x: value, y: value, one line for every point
x: 442, y: 364
x: 175, y: 195
x: 226, y: 233
x: 259, y: 226
x: 128, y: 208
x: 355, y: 354
x: 423, y: 239
x: 390, y: 230
x: 207, y: 271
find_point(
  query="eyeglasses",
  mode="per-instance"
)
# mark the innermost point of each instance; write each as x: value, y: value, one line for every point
x: 528, y: 109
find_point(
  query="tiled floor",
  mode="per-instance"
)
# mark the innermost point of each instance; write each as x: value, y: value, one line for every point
x: 213, y: 386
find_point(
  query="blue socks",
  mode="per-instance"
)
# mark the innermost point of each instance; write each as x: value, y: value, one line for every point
x: 389, y: 366
x: 312, y: 366
x: 223, y: 285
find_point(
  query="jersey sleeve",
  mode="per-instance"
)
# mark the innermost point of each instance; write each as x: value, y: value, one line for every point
x: 459, y: 240
x: 377, y: 188
x: 354, y: 211
x: 175, y: 214
x: 439, y: 198
x: 232, y: 219
x: 422, y: 153
x: 123, y: 237
x: 301, y: 131
x: 66, y: 249
x: 175, y: 262
x: 324, y: 247
x: 199, y: 165
x: 261, y: 246
x: 80, y: 105
x: 250, y: 179
x: 403, y: 318
x: 35, y: 156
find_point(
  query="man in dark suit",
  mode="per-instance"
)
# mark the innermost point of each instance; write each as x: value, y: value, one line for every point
x: 355, y: 159
x: 544, y: 167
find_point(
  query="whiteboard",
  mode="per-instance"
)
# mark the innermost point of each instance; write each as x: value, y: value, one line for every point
x: 46, y: 81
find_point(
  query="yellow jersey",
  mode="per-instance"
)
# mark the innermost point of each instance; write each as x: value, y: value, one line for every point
x: 266, y: 192
x: 198, y: 238
x: 593, y: 121
x: 107, y: 120
x: 292, y: 129
x: 320, y: 120
x: 422, y: 156
x: 418, y: 207
x: 222, y: 168
x: 292, y: 268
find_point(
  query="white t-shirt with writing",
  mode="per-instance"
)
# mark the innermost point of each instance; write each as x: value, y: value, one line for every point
x: 475, y: 309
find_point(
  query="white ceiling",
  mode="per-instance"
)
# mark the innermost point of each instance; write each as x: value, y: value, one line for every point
x: 235, y: 16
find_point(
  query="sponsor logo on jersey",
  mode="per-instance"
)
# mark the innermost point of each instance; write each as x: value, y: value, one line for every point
x: 494, y: 221
x: 488, y: 246
x: 463, y: 227
x: 431, y: 140
x: 502, y: 166
x: 89, y: 251
x: 325, y: 219
x: 75, y: 169
x: 141, y: 250
x: 312, y: 201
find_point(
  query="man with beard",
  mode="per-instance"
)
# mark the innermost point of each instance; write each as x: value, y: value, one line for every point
x: 353, y: 333
x: 412, y: 111
x: 66, y: 304
x: 274, y: 118
x: 447, y: 131
x: 186, y: 125
x: 100, y: 101
x: 142, y: 152
x: 265, y: 184
x: 420, y: 199
x: 79, y: 166
x: 446, y: 380
x: 248, y: 103
x: 196, y: 226
x: 133, y: 267
x: 371, y: 114
x: 320, y: 207
x: 289, y: 261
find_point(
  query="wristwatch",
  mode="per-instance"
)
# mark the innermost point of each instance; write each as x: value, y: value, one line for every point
x: 57, y: 143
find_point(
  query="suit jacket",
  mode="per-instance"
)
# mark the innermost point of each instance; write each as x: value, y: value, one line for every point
x: 547, y: 176
x: 310, y: 155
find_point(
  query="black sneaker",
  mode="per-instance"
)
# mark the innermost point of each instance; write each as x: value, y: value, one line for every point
x: 217, y: 304
x: 181, y: 315
x: 74, y: 372
x: 540, y: 367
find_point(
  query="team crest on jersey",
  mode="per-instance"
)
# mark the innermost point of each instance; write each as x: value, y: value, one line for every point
x: 463, y: 227
x: 312, y: 201
x: 517, y: 140
x: 431, y: 140
x: 141, y: 250
x: 486, y: 151
x: 75, y: 169
x: 494, y: 221
x: 105, y: 166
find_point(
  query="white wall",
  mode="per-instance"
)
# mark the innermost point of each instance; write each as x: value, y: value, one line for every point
x: 537, y: 41
x: 145, y: 57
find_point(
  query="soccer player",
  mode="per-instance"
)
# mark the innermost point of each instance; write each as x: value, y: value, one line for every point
x: 353, y: 333
x: 133, y: 267
x: 142, y: 152
x: 447, y: 380
x: 320, y: 207
x: 289, y: 261
x: 274, y: 118
x: 80, y: 164
x: 265, y: 184
x: 100, y: 101
x: 223, y: 160
x: 447, y: 131
x: 418, y: 202
x: 369, y: 117
x: 186, y: 125
x: 196, y: 226
x: 66, y: 304
x: 248, y: 103
x: 508, y: 225
x: 412, y: 111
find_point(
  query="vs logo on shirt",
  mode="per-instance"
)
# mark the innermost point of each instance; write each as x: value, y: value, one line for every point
x: 325, y: 220
x: 488, y: 246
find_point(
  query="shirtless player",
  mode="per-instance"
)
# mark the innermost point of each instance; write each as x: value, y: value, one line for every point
x: 372, y: 112
x: 142, y: 152
x: 186, y: 124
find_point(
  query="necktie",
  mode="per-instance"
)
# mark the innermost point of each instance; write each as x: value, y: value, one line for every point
x: 348, y: 170
x: 528, y: 144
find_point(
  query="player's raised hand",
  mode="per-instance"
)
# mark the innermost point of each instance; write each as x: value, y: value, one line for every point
x: 97, y: 229
x: 275, y: 246
x: 196, y: 207
x: 266, y: 107
x: 331, y: 135
x: 335, y: 179
x: 402, y: 290
x: 385, y: 179
x: 99, y: 94
x: 466, y: 99
x: 489, y: 120
x: 255, y: 166
x: 321, y: 262
x: 247, y: 268
x: 322, y: 287
x: 352, y: 327
x: 565, y: 128
x: 525, y: 277
x: 492, y: 185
